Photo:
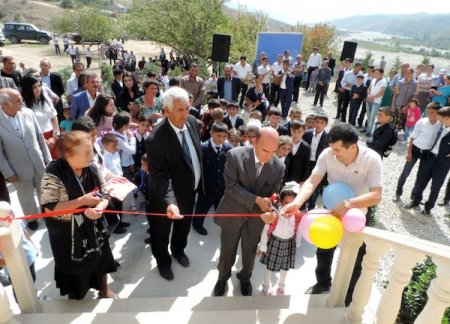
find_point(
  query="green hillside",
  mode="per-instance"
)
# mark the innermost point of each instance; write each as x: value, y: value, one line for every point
x: 431, y: 30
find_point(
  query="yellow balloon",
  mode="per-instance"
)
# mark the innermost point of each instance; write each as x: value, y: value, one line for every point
x: 326, y: 232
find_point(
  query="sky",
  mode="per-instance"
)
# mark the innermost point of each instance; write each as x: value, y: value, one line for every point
x: 292, y: 11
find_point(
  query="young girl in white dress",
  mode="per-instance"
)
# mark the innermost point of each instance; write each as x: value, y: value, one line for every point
x: 279, y: 242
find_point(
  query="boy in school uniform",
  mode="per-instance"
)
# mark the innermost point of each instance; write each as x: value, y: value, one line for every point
x: 383, y: 133
x: 233, y: 119
x: 435, y: 167
x: 214, y: 155
x: 274, y: 121
x: 297, y: 167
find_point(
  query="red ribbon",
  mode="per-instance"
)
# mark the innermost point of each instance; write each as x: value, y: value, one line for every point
x: 106, y: 211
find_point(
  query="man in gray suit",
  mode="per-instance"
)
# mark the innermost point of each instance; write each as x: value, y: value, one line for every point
x: 6, y: 82
x: 252, y: 174
x: 23, y: 151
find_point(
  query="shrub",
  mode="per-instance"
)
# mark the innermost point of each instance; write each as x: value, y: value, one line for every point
x: 415, y: 294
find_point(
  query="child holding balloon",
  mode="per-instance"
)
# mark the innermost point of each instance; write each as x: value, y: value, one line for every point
x: 279, y: 241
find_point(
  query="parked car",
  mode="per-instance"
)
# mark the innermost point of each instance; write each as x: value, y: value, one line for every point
x: 2, y: 38
x: 16, y: 32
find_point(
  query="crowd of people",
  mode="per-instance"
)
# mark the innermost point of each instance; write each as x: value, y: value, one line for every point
x: 227, y: 142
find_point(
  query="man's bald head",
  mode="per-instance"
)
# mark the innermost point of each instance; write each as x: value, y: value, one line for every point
x: 10, y: 101
x: 266, y: 144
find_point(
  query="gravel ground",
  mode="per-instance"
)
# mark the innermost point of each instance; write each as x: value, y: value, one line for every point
x: 392, y: 216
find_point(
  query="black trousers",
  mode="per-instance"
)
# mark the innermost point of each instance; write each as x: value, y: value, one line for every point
x: 297, y: 84
x: 323, y: 269
x: 204, y: 203
x: 354, y: 107
x: 88, y: 61
x: 159, y: 237
x: 342, y: 109
x: 310, y: 69
x: 321, y: 90
x: 4, y: 194
x: 434, y: 169
x: 244, y: 89
x: 362, y: 114
x: 266, y: 90
x: 447, y: 191
x: 274, y: 95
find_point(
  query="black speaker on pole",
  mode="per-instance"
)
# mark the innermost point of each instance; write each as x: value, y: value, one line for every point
x: 349, y: 50
x: 221, y: 48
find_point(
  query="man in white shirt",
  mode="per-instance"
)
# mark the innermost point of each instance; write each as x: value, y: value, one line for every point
x: 275, y: 87
x: 374, y: 95
x: 357, y: 166
x: 72, y: 83
x: 88, y: 54
x: 420, y: 144
x: 265, y: 70
x: 315, y: 60
x: 241, y: 69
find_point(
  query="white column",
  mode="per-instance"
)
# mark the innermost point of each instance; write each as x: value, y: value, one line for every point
x: 375, y: 248
x: 399, y: 277
x: 11, y: 247
x: 438, y: 294
x: 5, y: 311
x: 347, y: 255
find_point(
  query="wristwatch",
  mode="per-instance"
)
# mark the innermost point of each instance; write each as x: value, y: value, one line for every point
x: 347, y: 203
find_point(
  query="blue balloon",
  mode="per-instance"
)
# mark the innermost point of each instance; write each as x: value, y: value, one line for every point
x: 335, y: 193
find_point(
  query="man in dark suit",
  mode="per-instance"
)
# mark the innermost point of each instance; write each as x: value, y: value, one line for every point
x: 55, y: 83
x: 85, y: 99
x: 297, y: 166
x: 214, y: 155
x: 175, y: 176
x: 317, y: 139
x: 436, y: 167
x: 233, y: 119
x: 251, y: 174
x: 228, y: 85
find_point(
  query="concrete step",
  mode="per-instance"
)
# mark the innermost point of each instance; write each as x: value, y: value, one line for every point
x: 270, y: 316
x: 185, y: 304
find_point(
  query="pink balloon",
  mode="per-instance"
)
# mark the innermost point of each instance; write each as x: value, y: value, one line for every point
x: 308, y: 218
x: 354, y: 220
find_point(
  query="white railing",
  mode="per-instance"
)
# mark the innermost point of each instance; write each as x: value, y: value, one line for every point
x: 11, y: 248
x: 407, y: 252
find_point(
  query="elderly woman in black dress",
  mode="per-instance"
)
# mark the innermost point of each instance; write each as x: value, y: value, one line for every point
x: 79, y: 241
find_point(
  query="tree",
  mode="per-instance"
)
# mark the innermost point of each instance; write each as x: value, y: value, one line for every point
x: 397, y: 63
x: 244, y: 26
x: 86, y: 22
x: 368, y: 59
x: 186, y: 26
x: 425, y: 60
x: 322, y: 36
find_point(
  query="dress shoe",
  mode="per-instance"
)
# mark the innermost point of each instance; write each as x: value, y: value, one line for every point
x: 33, y: 225
x: 443, y: 203
x: 343, y: 120
x: 412, y: 205
x: 246, y: 288
x: 201, y: 230
x: 166, y: 272
x: 317, y: 289
x: 117, y: 264
x: 220, y: 287
x: 363, y: 130
x: 147, y: 241
x: 148, y: 230
x: 337, y: 117
x: 123, y: 224
x: 119, y: 230
x: 368, y: 135
x: 183, y: 260
x: 426, y: 212
x: 396, y: 198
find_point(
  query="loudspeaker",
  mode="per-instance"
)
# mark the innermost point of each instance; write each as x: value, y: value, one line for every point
x: 221, y: 48
x: 349, y: 50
